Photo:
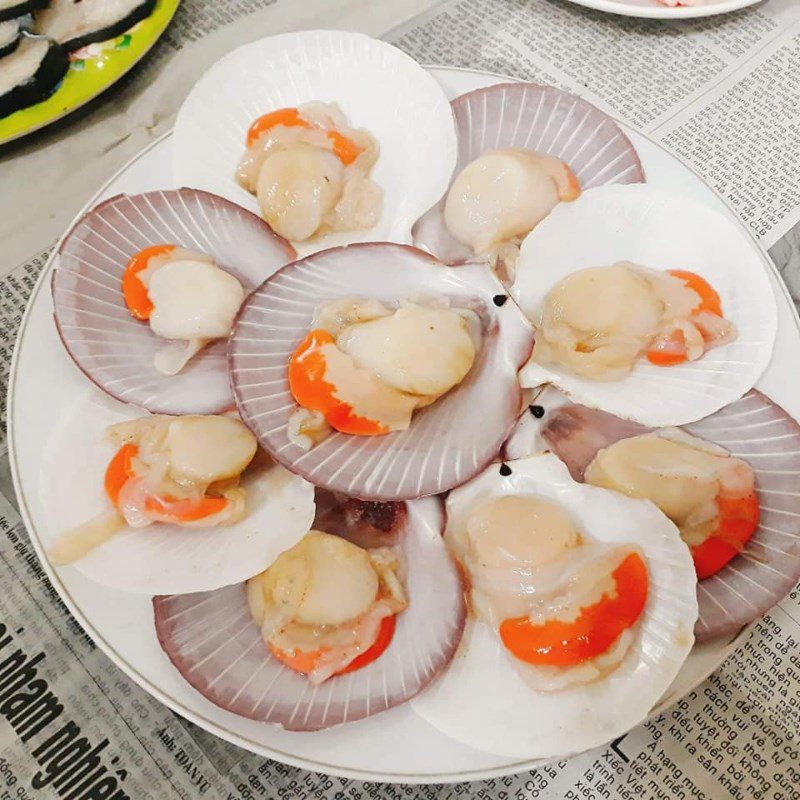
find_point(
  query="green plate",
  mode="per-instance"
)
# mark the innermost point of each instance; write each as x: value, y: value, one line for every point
x: 102, y: 65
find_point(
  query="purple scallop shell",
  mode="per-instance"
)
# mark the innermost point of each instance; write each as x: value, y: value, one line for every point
x: 213, y: 642
x: 535, y: 117
x: 448, y: 442
x: 753, y: 428
x: 115, y: 350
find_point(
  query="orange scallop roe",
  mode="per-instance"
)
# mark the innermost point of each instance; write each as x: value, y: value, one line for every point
x: 738, y: 520
x: 346, y: 150
x: 673, y: 349
x: 306, y: 661
x: 133, y: 290
x: 120, y: 471
x: 564, y: 644
x: 709, y: 299
x: 669, y: 351
x: 307, y: 383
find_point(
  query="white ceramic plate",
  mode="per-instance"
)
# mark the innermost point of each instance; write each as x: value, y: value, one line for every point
x: 395, y: 746
x: 655, y: 10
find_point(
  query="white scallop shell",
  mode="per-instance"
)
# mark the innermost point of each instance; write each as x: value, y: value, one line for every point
x: 660, y: 230
x: 115, y: 350
x: 378, y: 88
x: 447, y: 442
x: 529, y: 116
x: 481, y: 699
x: 214, y: 643
x: 162, y: 558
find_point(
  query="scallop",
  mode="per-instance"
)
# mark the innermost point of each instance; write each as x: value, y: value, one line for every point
x: 503, y: 131
x: 423, y: 351
x: 115, y: 350
x: 657, y: 230
x: 164, y: 558
x: 753, y: 428
x: 447, y: 441
x: 208, y: 449
x: 487, y: 700
x: 228, y: 662
x: 378, y: 88
x: 342, y: 582
x: 501, y: 195
x: 193, y: 299
x: 297, y: 188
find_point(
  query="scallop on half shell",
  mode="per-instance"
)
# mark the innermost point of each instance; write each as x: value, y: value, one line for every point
x: 163, y: 558
x: 484, y: 701
x: 661, y: 231
x: 378, y: 88
x: 753, y: 428
x: 115, y: 350
x: 447, y: 442
x: 529, y: 116
x: 213, y: 642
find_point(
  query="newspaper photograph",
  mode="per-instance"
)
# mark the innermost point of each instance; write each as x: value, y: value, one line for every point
x: 721, y: 93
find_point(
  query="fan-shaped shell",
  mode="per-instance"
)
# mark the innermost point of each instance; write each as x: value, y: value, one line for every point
x: 214, y: 643
x: 660, y: 230
x: 484, y: 702
x: 115, y: 350
x: 449, y: 441
x: 754, y: 429
x: 378, y: 87
x: 763, y: 434
x: 535, y: 117
x: 162, y: 558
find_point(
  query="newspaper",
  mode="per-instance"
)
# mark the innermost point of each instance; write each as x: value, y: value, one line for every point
x: 72, y: 726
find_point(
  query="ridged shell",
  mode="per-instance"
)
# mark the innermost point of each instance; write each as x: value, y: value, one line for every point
x: 213, y: 642
x: 574, y: 432
x: 530, y: 116
x: 378, y: 87
x: 162, y: 558
x: 660, y: 230
x: 763, y: 434
x: 484, y: 702
x: 449, y: 441
x: 114, y: 349
x: 754, y: 429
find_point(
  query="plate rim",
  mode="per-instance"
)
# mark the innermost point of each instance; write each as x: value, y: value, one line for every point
x: 198, y: 718
x: 622, y: 9
x: 93, y: 96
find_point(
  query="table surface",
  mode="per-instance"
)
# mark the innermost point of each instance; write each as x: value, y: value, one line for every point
x: 46, y: 178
